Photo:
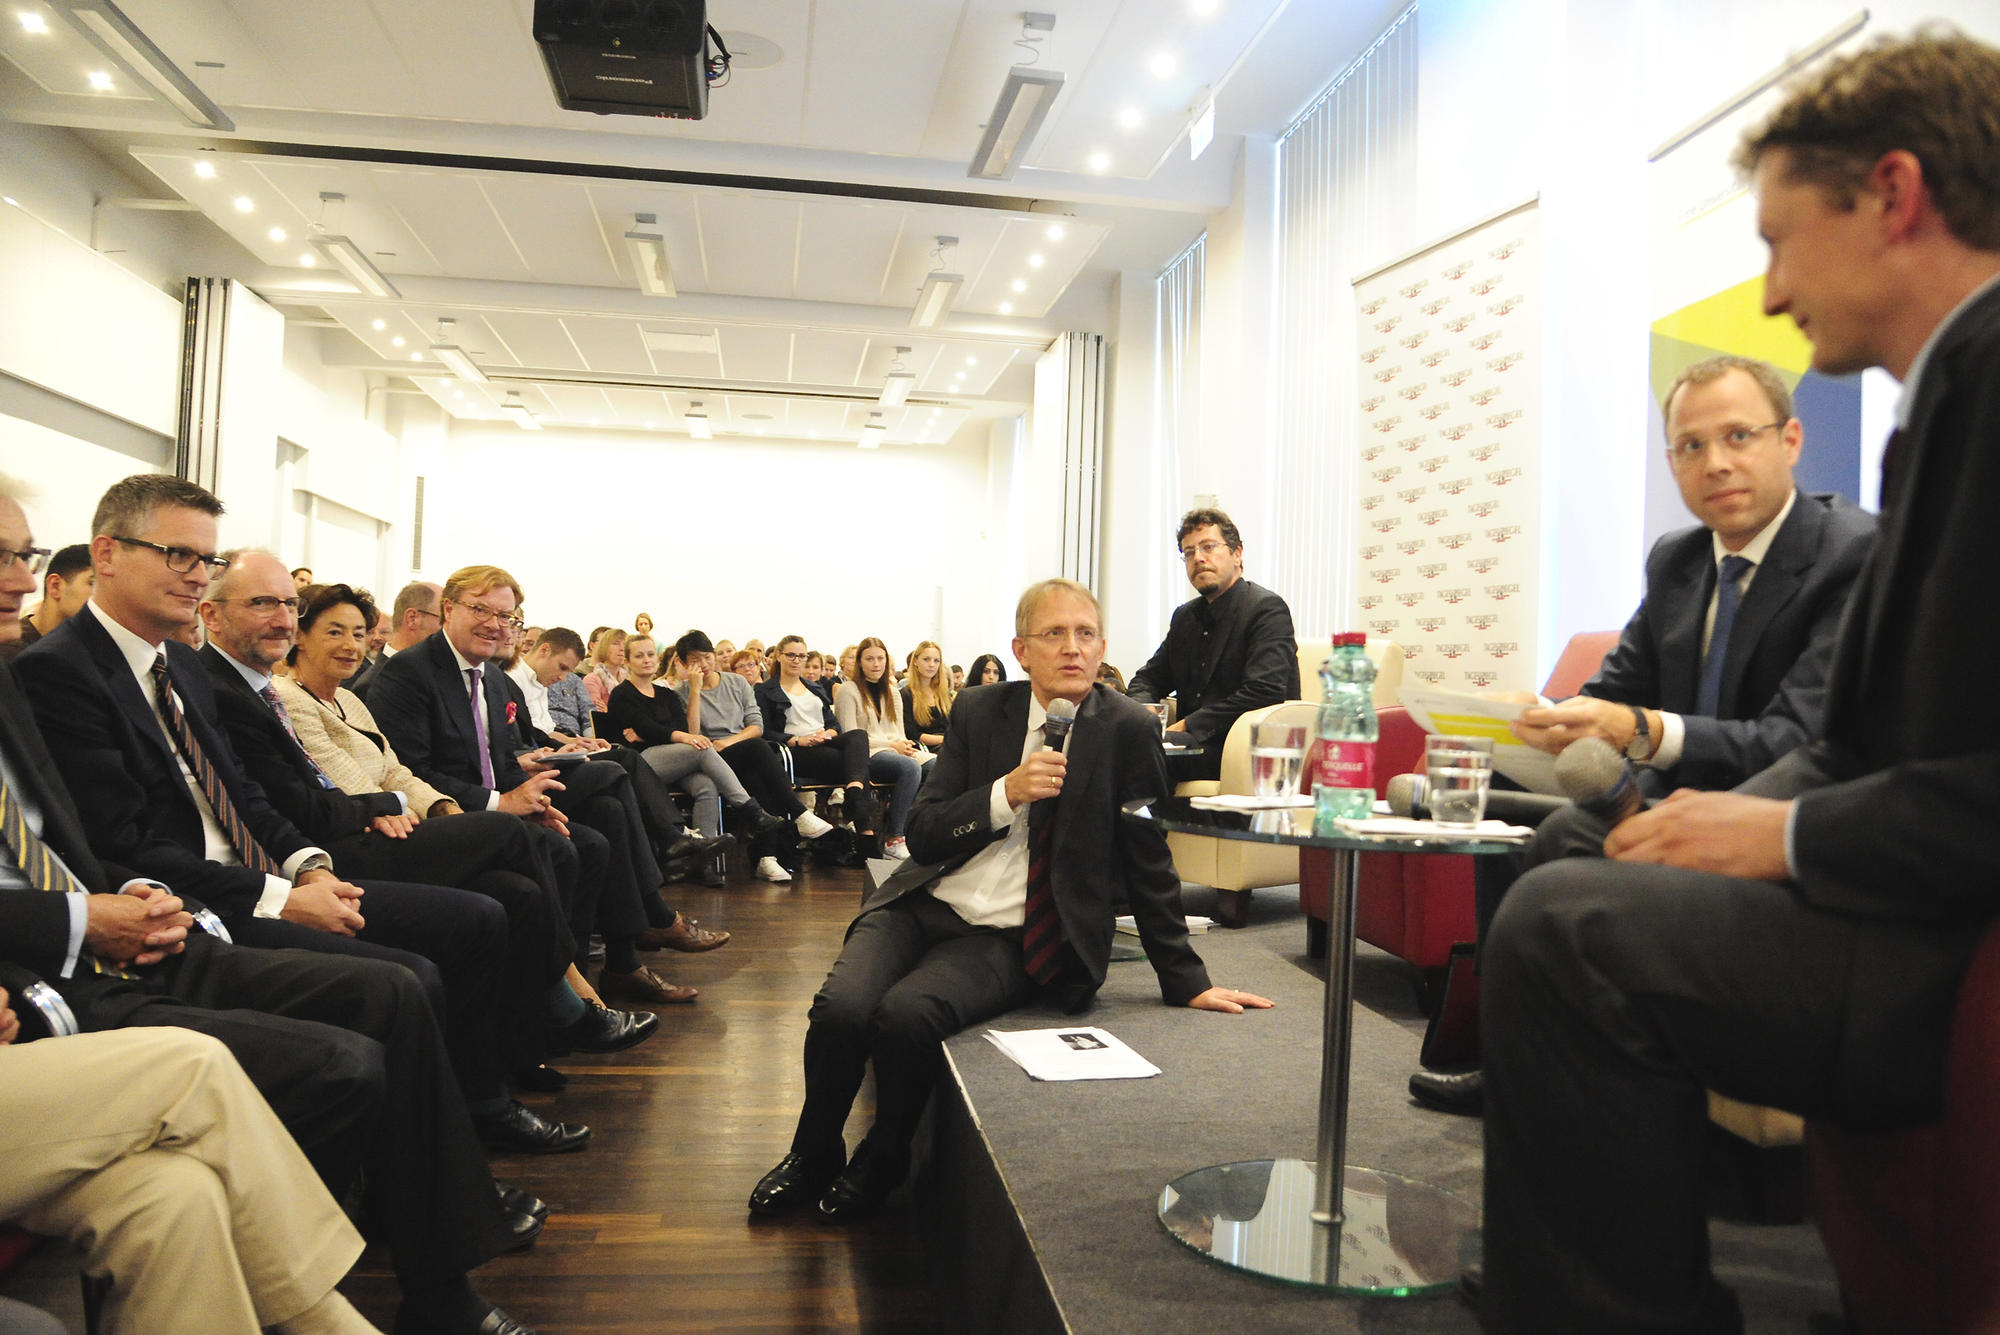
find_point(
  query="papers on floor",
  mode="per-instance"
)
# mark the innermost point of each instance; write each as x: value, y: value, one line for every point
x: 1463, y: 714
x: 1251, y: 802
x: 1196, y: 925
x: 1397, y: 827
x: 1074, y: 1053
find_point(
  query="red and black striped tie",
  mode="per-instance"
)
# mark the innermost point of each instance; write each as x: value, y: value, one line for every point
x: 253, y: 855
x: 1041, y: 927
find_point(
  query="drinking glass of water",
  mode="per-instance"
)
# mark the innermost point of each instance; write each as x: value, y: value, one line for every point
x: 1159, y: 713
x: 1277, y: 756
x: 1460, y: 771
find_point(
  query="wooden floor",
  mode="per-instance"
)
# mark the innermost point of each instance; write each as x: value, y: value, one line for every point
x: 649, y: 1231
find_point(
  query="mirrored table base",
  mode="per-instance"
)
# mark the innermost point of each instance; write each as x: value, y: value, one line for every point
x: 1397, y: 1238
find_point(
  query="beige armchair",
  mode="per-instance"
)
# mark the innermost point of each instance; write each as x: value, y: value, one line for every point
x: 1235, y: 867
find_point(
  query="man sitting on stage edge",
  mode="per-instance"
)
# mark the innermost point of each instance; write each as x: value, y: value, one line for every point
x: 1015, y: 865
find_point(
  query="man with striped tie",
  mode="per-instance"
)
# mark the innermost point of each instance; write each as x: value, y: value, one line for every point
x: 345, y: 1050
x: 1018, y: 854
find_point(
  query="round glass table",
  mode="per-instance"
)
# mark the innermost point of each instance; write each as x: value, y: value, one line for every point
x: 1322, y: 1223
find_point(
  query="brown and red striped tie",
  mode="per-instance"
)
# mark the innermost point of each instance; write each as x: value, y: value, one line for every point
x: 253, y: 855
x: 1041, y: 926
x: 39, y: 864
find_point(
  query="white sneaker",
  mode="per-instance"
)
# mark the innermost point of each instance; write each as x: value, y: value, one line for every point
x: 770, y: 869
x: 898, y: 849
x: 810, y: 826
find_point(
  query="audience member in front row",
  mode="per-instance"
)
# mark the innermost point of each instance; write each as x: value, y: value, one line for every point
x: 568, y: 700
x: 1723, y: 668
x: 66, y: 588
x: 821, y: 751
x: 722, y: 708
x: 546, y: 669
x: 1799, y: 942
x: 457, y: 895
x: 345, y: 1050
x: 450, y: 717
x: 871, y: 703
x: 1229, y: 651
x: 476, y: 850
x: 154, y: 1156
x: 411, y: 621
x: 654, y: 719
x: 605, y: 667
x: 927, y: 696
x: 1009, y: 900
x: 985, y: 670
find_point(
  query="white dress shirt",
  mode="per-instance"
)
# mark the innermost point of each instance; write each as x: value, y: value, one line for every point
x: 477, y: 700
x: 991, y: 888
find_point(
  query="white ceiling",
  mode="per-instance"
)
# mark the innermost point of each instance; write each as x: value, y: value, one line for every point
x: 831, y: 160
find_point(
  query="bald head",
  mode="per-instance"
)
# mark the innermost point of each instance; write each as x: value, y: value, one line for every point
x: 251, y: 610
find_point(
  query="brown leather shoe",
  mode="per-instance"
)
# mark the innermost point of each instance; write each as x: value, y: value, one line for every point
x: 685, y: 935
x: 642, y: 985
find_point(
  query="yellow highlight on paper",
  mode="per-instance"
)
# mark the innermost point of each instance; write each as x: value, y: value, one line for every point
x: 1475, y: 725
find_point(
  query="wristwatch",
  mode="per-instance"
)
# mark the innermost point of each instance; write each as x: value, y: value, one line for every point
x: 1641, y: 745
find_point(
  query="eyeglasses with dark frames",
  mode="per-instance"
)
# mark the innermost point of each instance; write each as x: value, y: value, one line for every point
x: 180, y: 560
x: 36, y: 558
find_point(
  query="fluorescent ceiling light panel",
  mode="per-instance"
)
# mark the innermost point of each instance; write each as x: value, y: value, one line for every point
x: 940, y: 292
x: 697, y: 423
x: 662, y: 340
x: 518, y: 410
x: 873, y: 433
x: 105, y: 27
x: 356, y: 265
x: 1018, y: 113
x: 1201, y: 130
x: 461, y: 365
x: 649, y: 257
x: 896, y: 387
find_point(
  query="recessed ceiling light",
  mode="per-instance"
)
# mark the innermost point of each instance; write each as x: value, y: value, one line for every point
x: 459, y: 394
x: 1036, y: 261
x: 309, y: 260
x: 204, y: 169
x: 276, y: 234
x: 34, y: 23
x: 396, y: 342
x: 594, y: 422
x: 649, y: 427
x: 1163, y: 65
x: 244, y: 204
x: 972, y: 361
x: 1019, y: 285
x: 1204, y: 8
x: 1006, y: 308
x: 1056, y: 232
x: 101, y: 81
x: 416, y: 356
x: 380, y: 325
x: 1100, y: 161
x: 1130, y: 118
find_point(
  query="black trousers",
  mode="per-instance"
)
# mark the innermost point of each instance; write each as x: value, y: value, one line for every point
x: 499, y: 856
x: 462, y: 934
x: 598, y: 796
x: 1613, y: 995
x: 347, y: 1052
x: 844, y: 760
x: 911, y: 974
x: 757, y: 767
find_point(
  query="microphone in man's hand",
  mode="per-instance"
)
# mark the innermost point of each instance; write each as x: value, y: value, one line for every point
x: 1598, y: 779
x: 1062, y: 713
x: 1409, y: 795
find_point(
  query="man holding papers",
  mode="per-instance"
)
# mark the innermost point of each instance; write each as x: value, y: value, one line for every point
x: 1723, y: 667
x: 1018, y: 855
x: 1800, y: 942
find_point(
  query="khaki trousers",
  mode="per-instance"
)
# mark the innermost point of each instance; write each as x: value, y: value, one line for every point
x: 152, y: 1153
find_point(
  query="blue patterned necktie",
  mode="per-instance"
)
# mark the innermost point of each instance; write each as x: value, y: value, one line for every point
x: 1728, y: 597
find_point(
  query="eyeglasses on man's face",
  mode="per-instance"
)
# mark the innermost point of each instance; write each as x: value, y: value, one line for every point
x: 1207, y: 550
x: 493, y: 616
x: 35, y: 557
x: 1055, y: 637
x: 180, y: 560
x: 264, y: 605
x: 1732, y: 441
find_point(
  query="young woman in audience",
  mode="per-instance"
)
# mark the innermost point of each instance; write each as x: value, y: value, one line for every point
x: 985, y: 670
x: 748, y: 665
x: 1111, y: 677
x: 605, y: 668
x: 720, y: 707
x: 641, y: 625
x: 927, y: 696
x: 647, y: 714
x: 821, y: 750
x: 871, y: 703
x: 335, y: 728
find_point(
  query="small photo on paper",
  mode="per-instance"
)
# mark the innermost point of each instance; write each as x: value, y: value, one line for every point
x: 1082, y: 1042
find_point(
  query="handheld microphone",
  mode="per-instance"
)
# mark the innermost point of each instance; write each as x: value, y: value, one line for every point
x: 1409, y: 795
x: 1598, y: 780
x: 1055, y: 730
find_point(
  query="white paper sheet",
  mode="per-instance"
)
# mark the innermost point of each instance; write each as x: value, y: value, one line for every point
x: 1078, y: 1052
x: 1463, y: 714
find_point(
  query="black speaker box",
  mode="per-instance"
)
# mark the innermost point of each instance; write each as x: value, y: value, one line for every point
x: 626, y: 57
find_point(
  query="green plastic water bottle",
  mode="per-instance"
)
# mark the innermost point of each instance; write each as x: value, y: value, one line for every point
x: 1346, y: 730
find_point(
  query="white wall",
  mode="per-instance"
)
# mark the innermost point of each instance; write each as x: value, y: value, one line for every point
x: 743, y: 540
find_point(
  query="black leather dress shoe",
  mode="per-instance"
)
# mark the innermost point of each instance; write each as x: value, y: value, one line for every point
x: 756, y: 822
x: 795, y: 1182
x: 861, y: 1187
x: 519, y: 1200
x: 1464, y: 1094
x: 492, y: 1322
x: 522, y: 1230
x: 691, y: 845
x: 605, y: 1030
x: 522, y: 1130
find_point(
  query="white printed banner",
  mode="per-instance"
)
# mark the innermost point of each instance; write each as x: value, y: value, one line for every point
x: 1449, y: 489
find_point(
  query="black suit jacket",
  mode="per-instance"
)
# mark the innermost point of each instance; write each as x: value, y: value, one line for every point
x: 420, y: 700
x: 1899, y: 803
x: 1253, y: 659
x: 774, y: 703
x: 1774, y: 679
x: 364, y: 676
x: 116, y: 762
x: 281, y: 768
x: 1099, y: 858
